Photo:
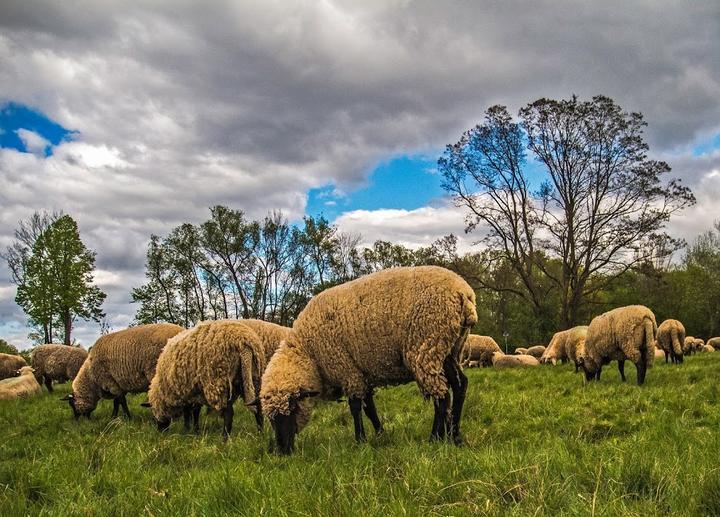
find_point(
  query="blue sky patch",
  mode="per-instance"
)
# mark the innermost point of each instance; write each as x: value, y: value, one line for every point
x: 15, y: 117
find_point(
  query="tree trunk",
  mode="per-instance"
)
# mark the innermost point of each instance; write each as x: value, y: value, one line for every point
x: 68, y: 326
x: 46, y: 331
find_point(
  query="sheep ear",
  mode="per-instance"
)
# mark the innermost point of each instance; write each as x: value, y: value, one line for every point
x: 66, y: 398
x: 254, y: 403
x: 307, y: 393
x: 146, y: 404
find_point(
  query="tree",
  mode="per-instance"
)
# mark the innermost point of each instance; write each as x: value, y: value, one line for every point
x: 591, y: 198
x: 58, y: 280
x: 7, y: 348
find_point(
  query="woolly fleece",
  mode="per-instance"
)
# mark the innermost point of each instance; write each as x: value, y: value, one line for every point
x: 121, y: 362
x: 520, y: 351
x: 536, y: 351
x: 203, y: 364
x: 10, y: 364
x: 23, y: 386
x: 514, y: 361
x: 714, y: 342
x: 270, y: 334
x: 479, y: 350
x: 563, y: 345
x: 58, y: 362
x: 389, y: 327
x: 671, y: 337
x: 622, y: 333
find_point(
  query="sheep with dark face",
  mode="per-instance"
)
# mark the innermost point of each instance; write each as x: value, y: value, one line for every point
x: 671, y: 339
x: 625, y: 333
x: 22, y: 385
x: 390, y: 327
x: 10, y: 364
x: 478, y: 351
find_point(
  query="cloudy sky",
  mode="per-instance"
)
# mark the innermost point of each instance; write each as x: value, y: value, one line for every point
x: 136, y: 116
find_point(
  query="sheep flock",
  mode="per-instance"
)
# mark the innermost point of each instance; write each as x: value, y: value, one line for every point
x: 396, y: 326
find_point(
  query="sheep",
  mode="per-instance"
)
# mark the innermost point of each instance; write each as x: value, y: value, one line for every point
x: 10, y: 364
x: 670, y: 339
x: 622, y: 333
x: 270, y: 334
x: 714, y: 342
x: 478, y: 351
x: 536, y: 351
x: 698, y: 344
x: 563, y: 346
x: 119, y: 363
x: 212, y: 363
x: 501, y: 360
x: 59, y: 363
x: 520, y: 351
x: 707, y: 348
x: 23, y: 386
x: 390, y: 327
x: 688, y: 346
x: 659, y: 353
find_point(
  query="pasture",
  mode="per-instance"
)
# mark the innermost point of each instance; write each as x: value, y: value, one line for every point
x: 536, y: 443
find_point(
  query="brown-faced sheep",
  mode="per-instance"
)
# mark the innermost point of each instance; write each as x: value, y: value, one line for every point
x: 59, y: 363
x: 390, y: 327
x: 270, y: 334
x: 536, y: 351
x: 23, y: 386
x: 670, y: 339
x: 478, y: 350
x: 211, y: 364
x: 520, y: 351
x: 514, y: 361
x: 563, y: 346
x: 119, y: 363
x: 620, y: 334
x: 714, y: 342
x: 10, y: 364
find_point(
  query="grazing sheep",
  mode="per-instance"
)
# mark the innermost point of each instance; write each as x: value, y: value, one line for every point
x: 59, y: 363
x: 119, y: 363
x: 390, y: 327
x: 514, y: 361
x: 670, y: 339
x: 536, y: 351
x: 478, y: 351
x: 714, y: 342
x: 563, y: 346
x: 520, y: 351
x: 270, y: 334
x: 698, y: 344
x: 212, y: 363
x: 707, y: 348
x: 23, y: 386
x: 688, y: 345
x: 10, y: 364
x: 620, y: 334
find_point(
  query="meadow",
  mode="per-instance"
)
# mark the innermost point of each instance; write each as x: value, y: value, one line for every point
x: 536, y: 443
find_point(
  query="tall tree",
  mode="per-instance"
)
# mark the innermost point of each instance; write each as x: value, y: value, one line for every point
x: 58, y: 280
x: 590, y: 198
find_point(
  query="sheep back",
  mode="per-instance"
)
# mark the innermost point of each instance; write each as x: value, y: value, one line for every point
x: 58, y: 362
x: 205, y: 365
x: 714, y: 342
x: 121, y: 362
x: 23, y: 386
x: 514, y: 361
x: 479, y: 350
x: 536, y: 351
x: 671, y: 337
x: 10, y: 364
x: 520, y: 351
x: 270, y: 334
x: 623, y: 333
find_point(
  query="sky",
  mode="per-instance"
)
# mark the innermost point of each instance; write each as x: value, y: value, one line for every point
x: 134, y: 117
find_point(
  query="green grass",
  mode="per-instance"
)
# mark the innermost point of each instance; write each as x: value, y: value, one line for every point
x: 537, y: 443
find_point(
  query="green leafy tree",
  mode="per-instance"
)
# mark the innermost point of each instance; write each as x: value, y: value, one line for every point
x: 7, y: 348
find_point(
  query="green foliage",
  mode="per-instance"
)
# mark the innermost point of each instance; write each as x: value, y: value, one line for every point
x: 537, y: 443
x: 7, y: 348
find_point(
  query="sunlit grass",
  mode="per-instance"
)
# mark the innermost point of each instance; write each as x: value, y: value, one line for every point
x: 536, y: 443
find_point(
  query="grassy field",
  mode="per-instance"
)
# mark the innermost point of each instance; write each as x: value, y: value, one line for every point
x: 537, y: 443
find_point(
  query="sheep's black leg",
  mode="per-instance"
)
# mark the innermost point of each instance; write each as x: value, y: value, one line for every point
x: 597, y: 374
x: 458, y: 383
x: 577, y: 367
x: 259, y: 419
x: 621, y: 369
x: 666, y: 356
x: 187, y: 413
x: 356, y: 411
x: 439, y: 429
x: 116, y: 406
x: 371, y: 412
x: 124, y: 406
x: 641, y: 370
x: 48, y: 383
x: 196, y: 418
x: 227, y: 413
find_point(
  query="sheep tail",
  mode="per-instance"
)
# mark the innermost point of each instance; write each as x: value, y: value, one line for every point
x: 677, y: 347
x: 649, y: 349
x: 468, y: 310
x: 246, y: 371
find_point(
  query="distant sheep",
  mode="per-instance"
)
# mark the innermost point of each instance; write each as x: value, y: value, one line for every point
x: 10, y: 364
x: 270, y: 334
x: 389, y: 327
x: 671, y: 339
x: 119, y: 363
x: 478, y: 350
x: 536, y: 351
x: 59, y: 363
x: 23, y: 386
x: 714, y: 342
x: 620, y: 334
x: 707, y: 348
x: 688, y: 345
x: 520, y: 351
x: 514, y: 361
x: 563, y: 346
x: 210, y: 364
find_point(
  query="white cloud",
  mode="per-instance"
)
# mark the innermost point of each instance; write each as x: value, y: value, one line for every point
x: 33, y: 142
